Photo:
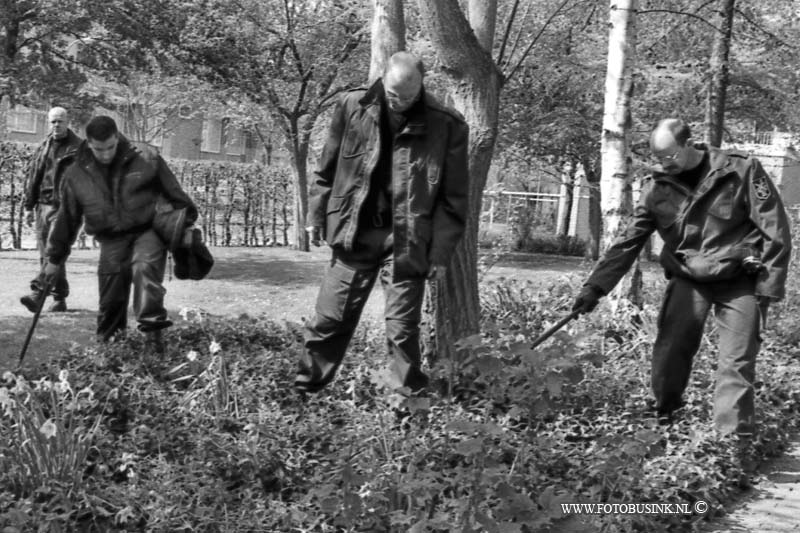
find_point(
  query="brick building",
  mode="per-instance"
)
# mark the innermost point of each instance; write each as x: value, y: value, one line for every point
x: 187, y: 135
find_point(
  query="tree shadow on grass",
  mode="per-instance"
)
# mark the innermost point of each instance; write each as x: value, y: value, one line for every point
x: 271, y: 272
x: 54, y: 333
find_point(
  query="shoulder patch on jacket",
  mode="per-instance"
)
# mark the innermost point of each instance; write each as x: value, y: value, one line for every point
x: 761, y: 187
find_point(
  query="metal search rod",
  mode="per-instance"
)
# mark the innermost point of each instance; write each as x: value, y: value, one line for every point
x: 560, y: 324
x: 39, y: 305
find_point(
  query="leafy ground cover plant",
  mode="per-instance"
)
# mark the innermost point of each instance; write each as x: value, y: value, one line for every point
x: 211, y: 437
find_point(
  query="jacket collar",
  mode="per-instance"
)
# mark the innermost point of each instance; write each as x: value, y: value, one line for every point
x: 720, y: 164
x: 374, y: 100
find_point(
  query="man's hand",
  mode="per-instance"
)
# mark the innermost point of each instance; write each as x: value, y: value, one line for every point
x: 587, y: 299
x: 50, y: 272
x: 763, y: 309
x: 314, y: 235
x: 436, y: 272
x: 29, y: 218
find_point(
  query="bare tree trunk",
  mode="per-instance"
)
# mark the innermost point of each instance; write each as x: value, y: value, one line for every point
x: 719, y: 74
x: 483, y: 18
x: 615, y: 190
x: 475, y: 84
x: 388, y: 34
x: 5, y: 105
x: 595, y: 212
x: 567, y: 191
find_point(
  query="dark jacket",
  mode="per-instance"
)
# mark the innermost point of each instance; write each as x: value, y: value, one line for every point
x: 735, y: 211
x: 43, y: 183
x: 125, y: 202
x: 429, y: 179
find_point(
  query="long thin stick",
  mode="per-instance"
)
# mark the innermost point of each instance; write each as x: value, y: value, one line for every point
x: 39, y: 306
x: 560, y: 324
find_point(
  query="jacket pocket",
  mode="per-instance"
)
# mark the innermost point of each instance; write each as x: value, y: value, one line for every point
x: 666, y: 213
x: 337, y: 216
x: 353, y: 144
x: 722, y: 204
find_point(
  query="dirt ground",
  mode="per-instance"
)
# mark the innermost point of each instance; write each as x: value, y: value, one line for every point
x: 275, y: 282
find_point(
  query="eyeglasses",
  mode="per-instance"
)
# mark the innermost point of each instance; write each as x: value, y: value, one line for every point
x: 671, y: 158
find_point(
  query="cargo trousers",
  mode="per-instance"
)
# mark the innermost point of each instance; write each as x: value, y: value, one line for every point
x: 44, y: 216
x: 680, y: 330
x: 137, y: 259
x: 341, y: 300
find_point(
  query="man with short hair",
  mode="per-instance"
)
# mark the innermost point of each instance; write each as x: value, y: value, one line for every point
x: 115, y: 188
x: 727, y: 245
x: 390, y: 197
x: 42, y: 195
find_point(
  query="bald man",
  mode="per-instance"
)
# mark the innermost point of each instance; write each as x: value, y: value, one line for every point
x: 726, y: 245
x: 42, y: 195
x: 390, y: 198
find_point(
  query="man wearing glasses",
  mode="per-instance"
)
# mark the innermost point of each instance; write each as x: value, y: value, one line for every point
x: 726, y: 244
x: 390, y: 199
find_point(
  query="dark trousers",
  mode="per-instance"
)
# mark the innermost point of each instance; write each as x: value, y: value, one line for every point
x: 683, y: 314
x: 339, y: 305
x: 44, y: 216
x: 139, y: 259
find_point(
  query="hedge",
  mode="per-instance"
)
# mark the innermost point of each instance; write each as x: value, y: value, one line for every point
x: 240, y: 204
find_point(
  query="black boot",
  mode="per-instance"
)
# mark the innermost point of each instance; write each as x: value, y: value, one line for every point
x: 31, y: 301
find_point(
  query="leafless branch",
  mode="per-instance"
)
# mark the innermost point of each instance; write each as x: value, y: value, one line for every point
x: 536, y: 38
x: 763, y: 29
x: 682, y: 13
x: 507, y: 32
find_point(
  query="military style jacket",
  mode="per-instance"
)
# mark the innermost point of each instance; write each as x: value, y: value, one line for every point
x: 43, y: 182
x: 734, y: 211
x: 429, y: 179
x: 125, y: 202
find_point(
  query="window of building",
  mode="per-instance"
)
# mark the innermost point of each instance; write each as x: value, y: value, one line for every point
x: 22, y: 119
x: 212, y: 136
x: 234, y: 140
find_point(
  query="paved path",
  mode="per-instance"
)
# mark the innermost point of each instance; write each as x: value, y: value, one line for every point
x: 773, y: 505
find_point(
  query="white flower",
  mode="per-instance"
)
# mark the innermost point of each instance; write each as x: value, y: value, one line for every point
x: 214, y: 347
x: 48, y: 429
x: 192, y: 355
x: 6, y: 403
x: 63, y: 375
x: 184, y: 313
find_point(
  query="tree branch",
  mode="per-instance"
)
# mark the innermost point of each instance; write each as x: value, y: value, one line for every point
x: 763, y: 30
x: 518, y: 37
x: 535, y: 40
x: 682, y: 13
x: 672, y: 28
x: 507, y: 32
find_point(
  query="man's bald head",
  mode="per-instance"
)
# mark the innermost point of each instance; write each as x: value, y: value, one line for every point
x: 671, y: 143
x: 57, y: 118
x: 402, y: 81
x: 670, y: 131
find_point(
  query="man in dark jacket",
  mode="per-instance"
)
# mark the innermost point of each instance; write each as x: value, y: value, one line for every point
x: 726, y: 244
x: 390, y: 198
x: 114, y: 188
x: 42, y: 188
